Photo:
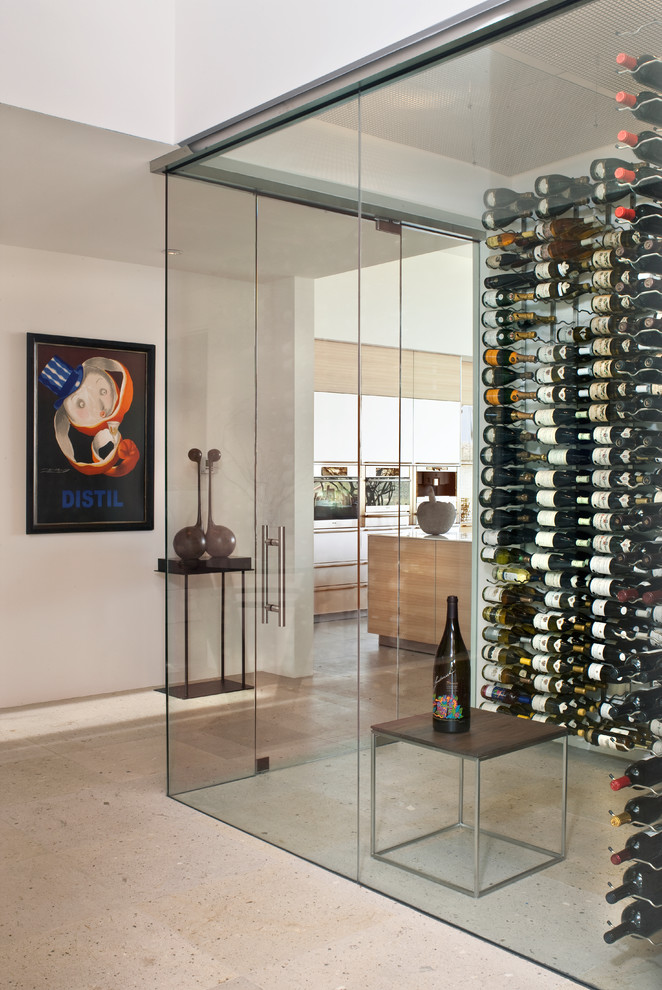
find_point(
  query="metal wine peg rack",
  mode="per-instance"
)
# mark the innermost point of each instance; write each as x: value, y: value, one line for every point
x: 587, y: 304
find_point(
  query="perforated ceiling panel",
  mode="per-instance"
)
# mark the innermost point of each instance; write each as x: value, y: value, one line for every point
x: 540, y: 95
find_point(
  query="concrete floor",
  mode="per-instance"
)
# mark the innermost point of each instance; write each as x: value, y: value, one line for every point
x: 107, y: 884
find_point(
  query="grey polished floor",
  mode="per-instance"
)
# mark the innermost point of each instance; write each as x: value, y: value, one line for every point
x: 107, y: 884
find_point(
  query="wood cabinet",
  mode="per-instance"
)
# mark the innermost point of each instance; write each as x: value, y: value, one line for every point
x: 430, y: 570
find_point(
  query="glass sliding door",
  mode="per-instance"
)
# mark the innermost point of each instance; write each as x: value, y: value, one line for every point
x: 210, y: 441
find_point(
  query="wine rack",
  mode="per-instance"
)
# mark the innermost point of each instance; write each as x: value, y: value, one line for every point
x: 571, y: 470
x: 642, y: 853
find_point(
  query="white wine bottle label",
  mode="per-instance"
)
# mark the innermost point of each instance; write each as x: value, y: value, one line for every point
x: 546, y: 353
x: 656, y: 614
x: 655, y: 637
x: 490, y: 537
x: 547, y: 517
x: 546, y: 394
x: 602, y: 279
x: 492, y: 672
x: 598, y: 412
x: 543, y: 683
x: 553, y: 599
x: 543, y: 290
x: 547, y: 434
x: 540, y: 662
x: 598, y: 651
x: 594, y: 671
x: 553, y: 579
x: 490, y: 320
x: 541, y: 717
x: 600, y: 326
x: 547, y: 374
x: 598, y: 606
x: 600, y: 500
x: 602, y: 434
x: 600, y: 565
x: 544, y: 538
x: 558, y: 455
x: 488, y: 554
x: 491, y: 337
x: 656, y: 727
x: 601, y: 587
x: 489, y: 706
x: 603, y: 368
x: 601, y: 259
x: 599, y: 629
x: 608, y: 742
x: 538, y: 702
x: 540, y: 561
x: 603, y: 521
x: 543, y: 417
x: 517, y: 575
x: 546, y: 497
x: 601, y: 542
x: 545, y: 479
x: 546, y: 642
x: 601, y: 304
x: 543, y: 620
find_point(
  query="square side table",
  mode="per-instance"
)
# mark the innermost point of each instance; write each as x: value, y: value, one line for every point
x: 491, y: 735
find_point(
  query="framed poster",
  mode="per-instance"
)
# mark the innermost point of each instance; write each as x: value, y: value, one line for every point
x: 90, y: 435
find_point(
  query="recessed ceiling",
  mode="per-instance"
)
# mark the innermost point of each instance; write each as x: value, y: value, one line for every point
x: 542, y: 94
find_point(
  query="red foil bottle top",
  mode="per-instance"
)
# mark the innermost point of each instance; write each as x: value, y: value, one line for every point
x: 621, y: 857
x: 624, y: 213
x: 626, y: 99
x: 626, y: 61
x: 626, y: 137
x: 619, y: 782
x: 625, y: 175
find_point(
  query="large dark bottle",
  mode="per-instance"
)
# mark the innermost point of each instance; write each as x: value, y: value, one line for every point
x: 645, y: 180
x: 646, y: 810
x: 646, y: 846
x: 646, y: 106
x: 639, y: 880
x: 638, y: 918
x: 647, y: 772
x: 451, y: 677
x: 645, y: 69
x: 647, y: 145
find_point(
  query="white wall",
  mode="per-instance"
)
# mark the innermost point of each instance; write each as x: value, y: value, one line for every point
x: 111, y: 65
x: 167, y: 69
x: 82, y: 613
x: 231, y: 57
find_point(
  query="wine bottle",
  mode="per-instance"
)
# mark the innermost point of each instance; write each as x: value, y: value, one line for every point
x: 646, y: 181
x: 504, y: 216
x: 451, y: 677
x: 498, y: 518
x: 638, y: 918
x: 508, y: 259
x: 514, y: 238
x: 507, y: 537
x: 498, y: 477
x: 604, y: 168
x: 547, y: 663
x: 495, y: 318
x: 496, y: 338
x: 555, y: 374
x: 574, y: 335
x: 609, y: 191
x: 644, y: 846
x: 502, y: 594
x: 500, y: 197
x: 606, y: 740
x: 508, y: 696
x: 498, y: 376
x: 504, y: 456
x: 555, y: 353
x: 645, y: 810
x: 639, y: 880
x: 497, y: 674
x: 647, y: 146
x: 645, y: 69
x: 646, y: 106
x: 514, y: 281
x: 506, y: 396
x: 496, y: 498
x: 647, y: 772
x: 646, y: 217
x: 561, y: 250
x: 504, y: 357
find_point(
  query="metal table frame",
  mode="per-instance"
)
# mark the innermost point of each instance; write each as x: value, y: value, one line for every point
x: 213, y: 565
x: 408, y: 730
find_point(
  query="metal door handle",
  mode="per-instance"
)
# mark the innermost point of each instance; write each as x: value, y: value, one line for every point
x: 279, y: 543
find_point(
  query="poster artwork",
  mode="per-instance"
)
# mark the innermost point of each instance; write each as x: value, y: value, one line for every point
x: 90, y: 434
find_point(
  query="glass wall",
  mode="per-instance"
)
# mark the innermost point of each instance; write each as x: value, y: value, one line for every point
x: 325, y: 328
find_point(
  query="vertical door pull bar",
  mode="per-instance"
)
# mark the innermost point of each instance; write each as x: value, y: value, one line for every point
x: 279, y: 543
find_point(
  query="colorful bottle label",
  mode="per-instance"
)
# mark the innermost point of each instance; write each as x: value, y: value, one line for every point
x: 448, y: 707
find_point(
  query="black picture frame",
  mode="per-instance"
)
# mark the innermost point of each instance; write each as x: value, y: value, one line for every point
x: 90, y: 435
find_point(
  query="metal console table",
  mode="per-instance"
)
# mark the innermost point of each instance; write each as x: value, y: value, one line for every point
x: 492, y: 735
x: 211, y: 565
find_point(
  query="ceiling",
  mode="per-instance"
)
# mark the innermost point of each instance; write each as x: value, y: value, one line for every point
x: 540, y: 95
x: 534, y: 97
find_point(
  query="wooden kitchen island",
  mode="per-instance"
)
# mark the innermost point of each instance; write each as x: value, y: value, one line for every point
x: 431, y: 568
